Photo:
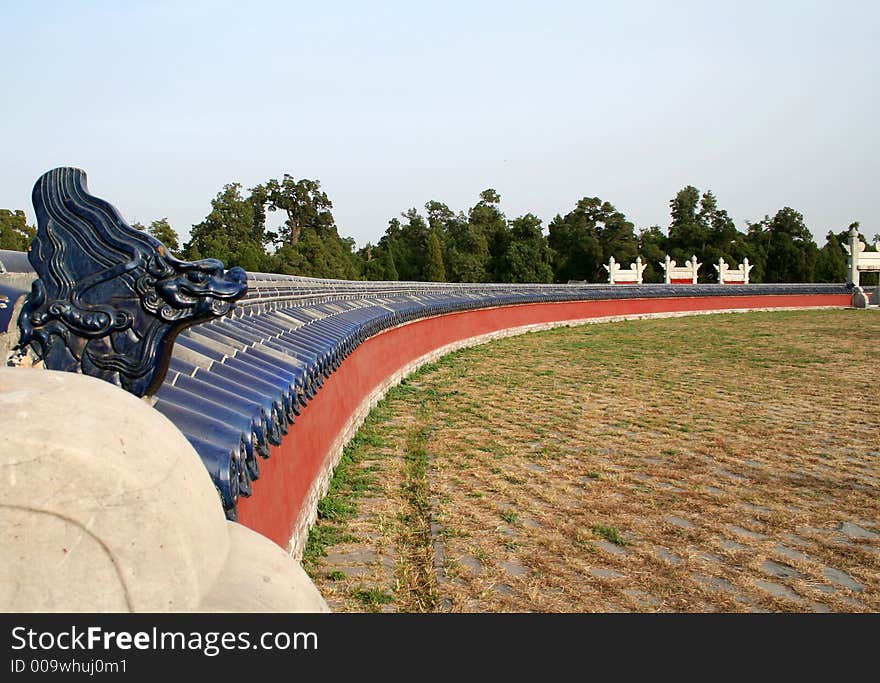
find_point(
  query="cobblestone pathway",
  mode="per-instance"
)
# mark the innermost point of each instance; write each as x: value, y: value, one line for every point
x: 632, y: 501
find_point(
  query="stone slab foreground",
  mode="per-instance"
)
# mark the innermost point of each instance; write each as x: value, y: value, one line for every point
x: 107, y: 507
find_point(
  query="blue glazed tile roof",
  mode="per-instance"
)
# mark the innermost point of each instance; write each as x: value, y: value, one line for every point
x: 236, y: 384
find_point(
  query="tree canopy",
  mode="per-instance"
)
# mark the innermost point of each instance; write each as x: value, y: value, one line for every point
x: 161, y: 229
x: 585, y: 238
x: 481, y: 244
x: 229, y: 232
x: 15, y: 233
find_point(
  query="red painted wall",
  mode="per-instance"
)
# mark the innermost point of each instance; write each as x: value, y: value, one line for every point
x: 280, y: 493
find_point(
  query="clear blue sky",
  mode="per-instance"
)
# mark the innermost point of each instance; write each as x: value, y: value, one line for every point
x: 766, y: 103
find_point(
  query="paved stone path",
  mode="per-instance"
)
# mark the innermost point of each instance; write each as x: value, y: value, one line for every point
x: 781, y: 572
x: 724, y: 505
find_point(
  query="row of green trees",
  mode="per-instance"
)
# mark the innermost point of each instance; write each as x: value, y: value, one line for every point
x: 482, y: 244
x: 306, y: 243
x: 15, y: 233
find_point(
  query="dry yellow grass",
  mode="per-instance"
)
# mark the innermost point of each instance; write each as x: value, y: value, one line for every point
x: 712, y: 463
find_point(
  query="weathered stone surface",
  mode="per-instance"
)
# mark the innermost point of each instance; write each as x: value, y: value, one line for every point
x: 859, y: 298
x: 731, y: 475
x: 669, y: 487
x: 104, y: 481
x: 780, y: 570
x: 108, y: 508
x: 842, y: 579
x: 714, y: 582
x: 745, y: 533
x: 471, y: 563
x: 778, y: 590
x: 680, y: 522
x: 352, y: 557
x: 792, y: 554
x: 46, y: 561
x: 611, y: 548
x: 259, y: 576
x: 857, y: 532
x: 530, y: 523
x: 604, y: 573
x: 668, y: 556
x: 642, y: 599
x: 796, y: 540
x: 855, y: 604
x: 513, y: 568
x: 352, y: 572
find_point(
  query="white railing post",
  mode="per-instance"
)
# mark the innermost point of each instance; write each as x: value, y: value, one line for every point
x: 721, y: 267
x: 852, y: 262
x: 689, y: 271
x: 726, y: 276
x: 640, y: 268
x: 628, y: 276
x: 612, y: 269
x: 695, y: 268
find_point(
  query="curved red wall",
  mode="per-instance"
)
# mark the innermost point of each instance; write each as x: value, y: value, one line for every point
x: 279, y: 496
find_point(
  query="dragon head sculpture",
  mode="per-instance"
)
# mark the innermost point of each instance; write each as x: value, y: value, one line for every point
x: 109, y: 300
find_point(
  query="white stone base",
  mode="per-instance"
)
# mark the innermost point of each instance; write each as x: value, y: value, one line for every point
x: 108, y: 508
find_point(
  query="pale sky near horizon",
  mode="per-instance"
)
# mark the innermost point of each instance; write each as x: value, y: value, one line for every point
x: 768, y: 104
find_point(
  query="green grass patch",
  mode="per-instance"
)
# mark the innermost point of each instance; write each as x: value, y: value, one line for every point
x: 372, y: 597
x: 510, y: 516
x: 609, y: 533
x: 351, y: 480
x: 320, y: 538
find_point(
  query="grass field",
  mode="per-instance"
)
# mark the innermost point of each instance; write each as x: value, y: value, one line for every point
x: 710, y: 463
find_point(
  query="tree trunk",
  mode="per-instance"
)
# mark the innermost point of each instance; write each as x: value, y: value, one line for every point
x: 295, y: 229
